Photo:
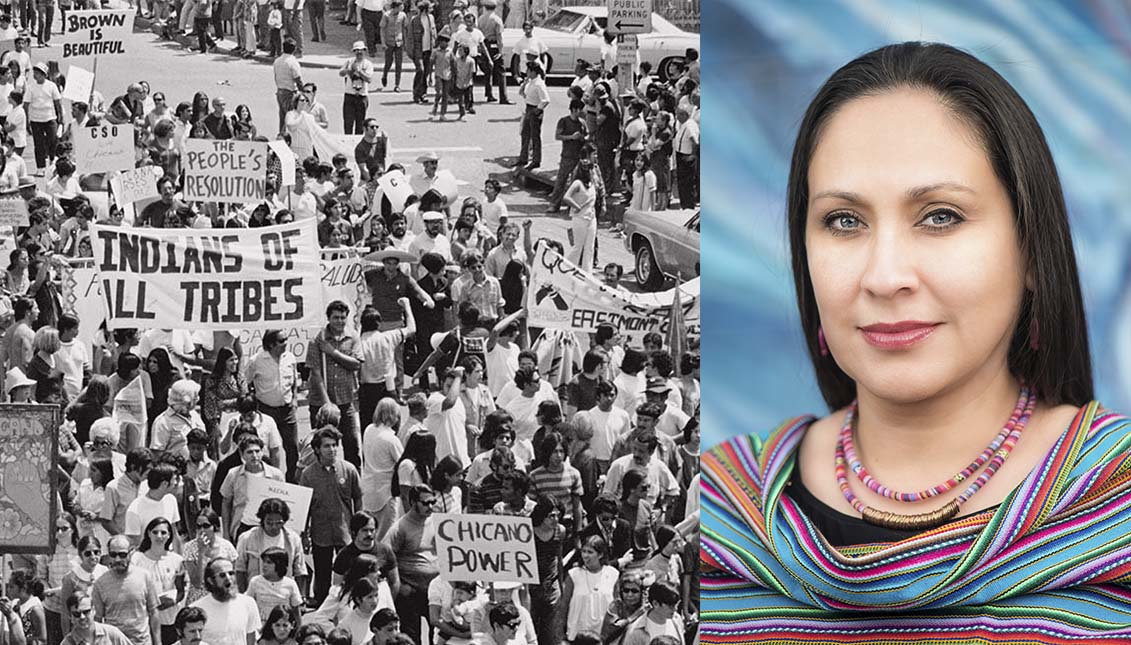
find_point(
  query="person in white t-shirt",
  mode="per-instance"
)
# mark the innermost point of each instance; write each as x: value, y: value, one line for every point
x: 158, y: 501
x: 447, y: 416
x: 44, y: 113
x: 233, y: 618
x: 609, y: 424
x: 73, y: 357
x: 16, y: 122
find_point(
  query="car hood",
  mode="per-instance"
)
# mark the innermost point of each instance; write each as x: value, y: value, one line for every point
x: 513, y: 35
x: 674, y: 217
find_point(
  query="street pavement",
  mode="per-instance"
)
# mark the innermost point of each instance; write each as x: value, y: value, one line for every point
x: 481, y: 146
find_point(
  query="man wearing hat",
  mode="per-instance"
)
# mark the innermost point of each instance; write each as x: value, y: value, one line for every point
x: 430, y: 161
x: 18, y: 386
x: 492, y: 27
x: 671, y: 421
x: 421, y: 41
x: 358, y: 73
x: 432, y: 240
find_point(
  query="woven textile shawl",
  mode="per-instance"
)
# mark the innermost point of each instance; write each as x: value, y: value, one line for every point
x: 1051, y: 564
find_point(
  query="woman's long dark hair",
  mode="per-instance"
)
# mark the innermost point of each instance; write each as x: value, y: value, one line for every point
x: 421, y: 449
x: 513, y: 286
x: 165, y: 374
x: 1061, y: 369
x: 220, y: 367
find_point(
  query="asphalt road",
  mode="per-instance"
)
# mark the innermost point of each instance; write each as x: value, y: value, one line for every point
x: 482, y: 146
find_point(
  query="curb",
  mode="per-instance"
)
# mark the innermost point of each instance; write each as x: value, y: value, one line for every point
x: 148, y: 24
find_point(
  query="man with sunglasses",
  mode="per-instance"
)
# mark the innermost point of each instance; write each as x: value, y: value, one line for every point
x: 501, y: 619
x: 413, y: 540
x: 84, y: 629
x: 126, y: 597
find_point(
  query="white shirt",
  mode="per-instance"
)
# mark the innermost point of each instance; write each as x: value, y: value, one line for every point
x: 229, y: 622
x: 448, y: 426
x: 18, y: 119
x: 687, y: 137
x: 40, y: 100
x: 380, y: 450
x: 142, y: 510
x: 533, y: 45
x: 72, y: 358
x: 607, y: 427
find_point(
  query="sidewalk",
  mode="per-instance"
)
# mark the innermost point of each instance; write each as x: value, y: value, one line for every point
x: 330, y: 54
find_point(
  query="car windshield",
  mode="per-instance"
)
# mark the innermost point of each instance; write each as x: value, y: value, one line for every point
x: 566, y: 21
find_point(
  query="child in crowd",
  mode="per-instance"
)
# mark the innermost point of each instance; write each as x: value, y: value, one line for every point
x: 463, y: 73
x: 273, y: 587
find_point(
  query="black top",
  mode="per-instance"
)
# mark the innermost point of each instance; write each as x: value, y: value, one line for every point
x: 840, y: 529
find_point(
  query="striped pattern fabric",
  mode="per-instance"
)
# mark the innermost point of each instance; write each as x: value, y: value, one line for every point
x: 1051, y: 564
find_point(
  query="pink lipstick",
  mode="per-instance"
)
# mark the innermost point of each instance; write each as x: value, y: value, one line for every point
x: 897, y: 336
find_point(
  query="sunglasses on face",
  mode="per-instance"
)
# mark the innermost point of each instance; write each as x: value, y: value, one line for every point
x: 92, y: 552
x: 118, y: 554
x: 79, y: 613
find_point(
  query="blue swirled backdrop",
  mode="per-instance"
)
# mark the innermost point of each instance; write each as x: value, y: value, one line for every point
x: 764, y: 60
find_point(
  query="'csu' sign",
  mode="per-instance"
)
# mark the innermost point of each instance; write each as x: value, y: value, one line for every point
x: 630, y: 16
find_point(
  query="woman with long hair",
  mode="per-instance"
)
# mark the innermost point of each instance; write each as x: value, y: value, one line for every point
x: 445, y: 481
x: 513, y: 286
x: 28, y: 592
x: 57, y: 566
x: 241, y: 120
x: 222, y: 388
x: 15, y: 279
x: 89, y: 406
x: 581, y: 197
x: 167, y: 570
x: 415, y: 466
x: 162, y: 374
x: 381, y: 450
x: 549, y: 540
x: 91, y: 495
x: 201, y: 106
x: 963, y: 468
x: 82, y: 575
x: 635, y: 507
x: 279, y: 628
x: 207, y: 545
x: 301, y: 126
x: 365, y: 565
x: 589, y: 588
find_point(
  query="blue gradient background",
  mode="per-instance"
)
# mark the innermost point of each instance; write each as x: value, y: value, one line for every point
x: 764, y: 60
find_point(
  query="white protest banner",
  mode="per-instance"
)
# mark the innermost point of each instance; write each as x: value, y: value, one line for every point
x: 488, y: 548
x: 80, y: 84
x: 96, y: 33
x: 562, y: 296
x: 296, y: 497
x: 13, y: 211
x: 104, y: 148
x: 228, y: 171
x: 129, y: 404
x: 260, y: 278
x: 342, y: 279
x: 286, y: 161
x: 447, y: 185
x: 396, y: 187
x: 136, y: 185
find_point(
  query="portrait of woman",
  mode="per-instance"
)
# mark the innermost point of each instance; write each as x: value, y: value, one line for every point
x: 964, y: 479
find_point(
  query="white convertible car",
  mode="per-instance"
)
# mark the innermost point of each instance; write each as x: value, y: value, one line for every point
x: 576, y: 32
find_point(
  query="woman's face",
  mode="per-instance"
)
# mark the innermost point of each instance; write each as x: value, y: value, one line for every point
x: 22, y: 259
x: 455, y: 479
x: 152, y: 366
x: 91, y: 555
x: 282, y: 629
x: 504, y: 439
x: 158, y: 535
x: 589, y: 557
x: 915, y: 261
x: 232, y: 364
x: 273, y: 524
x: 63, y: 531
x: 368, y: 604
x: 557, y: 456
x: 243, y: 113
x: 204, y: 527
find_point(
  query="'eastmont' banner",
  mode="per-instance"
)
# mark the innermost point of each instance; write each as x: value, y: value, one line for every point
x: 260, y: 278
x: 562, y: 296
x: 227, y: 171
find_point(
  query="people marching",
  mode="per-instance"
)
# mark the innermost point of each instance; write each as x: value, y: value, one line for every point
x: 431, y: 394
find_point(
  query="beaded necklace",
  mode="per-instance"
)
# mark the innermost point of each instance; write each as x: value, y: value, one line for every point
x: 1000, y: 449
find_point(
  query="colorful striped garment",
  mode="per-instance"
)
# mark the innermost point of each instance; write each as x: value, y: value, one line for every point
x: 1051, y: 564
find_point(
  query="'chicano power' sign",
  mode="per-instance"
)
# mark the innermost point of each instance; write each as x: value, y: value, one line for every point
x: 259, y: 278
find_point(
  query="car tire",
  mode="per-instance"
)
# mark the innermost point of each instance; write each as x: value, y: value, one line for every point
x: 647, y: 271
x: 667, y: 70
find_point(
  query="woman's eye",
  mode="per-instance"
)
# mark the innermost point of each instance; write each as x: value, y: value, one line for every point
x: 942, y: 219
x: 841, y: 222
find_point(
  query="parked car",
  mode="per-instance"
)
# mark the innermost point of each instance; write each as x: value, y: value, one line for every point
x: 577, y: 32
x: 663, y: 243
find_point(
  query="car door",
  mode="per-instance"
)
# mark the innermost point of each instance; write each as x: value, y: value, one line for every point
x: 685, y: 247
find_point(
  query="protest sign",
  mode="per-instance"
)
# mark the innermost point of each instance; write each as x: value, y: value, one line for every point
x: 487, y: 548
x: 82, y: 296
x: 136, y: 185
x: 342, y: 279
x: 396, y: 187
x: 80, y: 84
x: 104, y: 148
x: 227, y: 171
x: 286, y: 161
x: 447, y: 185
x: 562, y: 296
x: 210, y: 279
x: 29, y: 450
x: 296, y: 497
x: 13, y: 211
x: 129, y: 404
x: 96, y: 33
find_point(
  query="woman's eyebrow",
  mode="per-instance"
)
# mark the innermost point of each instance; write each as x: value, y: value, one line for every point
x: 916, y: 192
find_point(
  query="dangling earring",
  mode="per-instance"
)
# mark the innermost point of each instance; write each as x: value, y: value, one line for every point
x: 1034, y: 334
x: 821, y: 341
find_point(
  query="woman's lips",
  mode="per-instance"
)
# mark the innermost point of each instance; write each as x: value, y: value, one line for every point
x: 897, y: 336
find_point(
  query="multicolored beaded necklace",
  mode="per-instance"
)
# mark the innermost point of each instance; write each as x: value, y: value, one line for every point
x: 995, y: 454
